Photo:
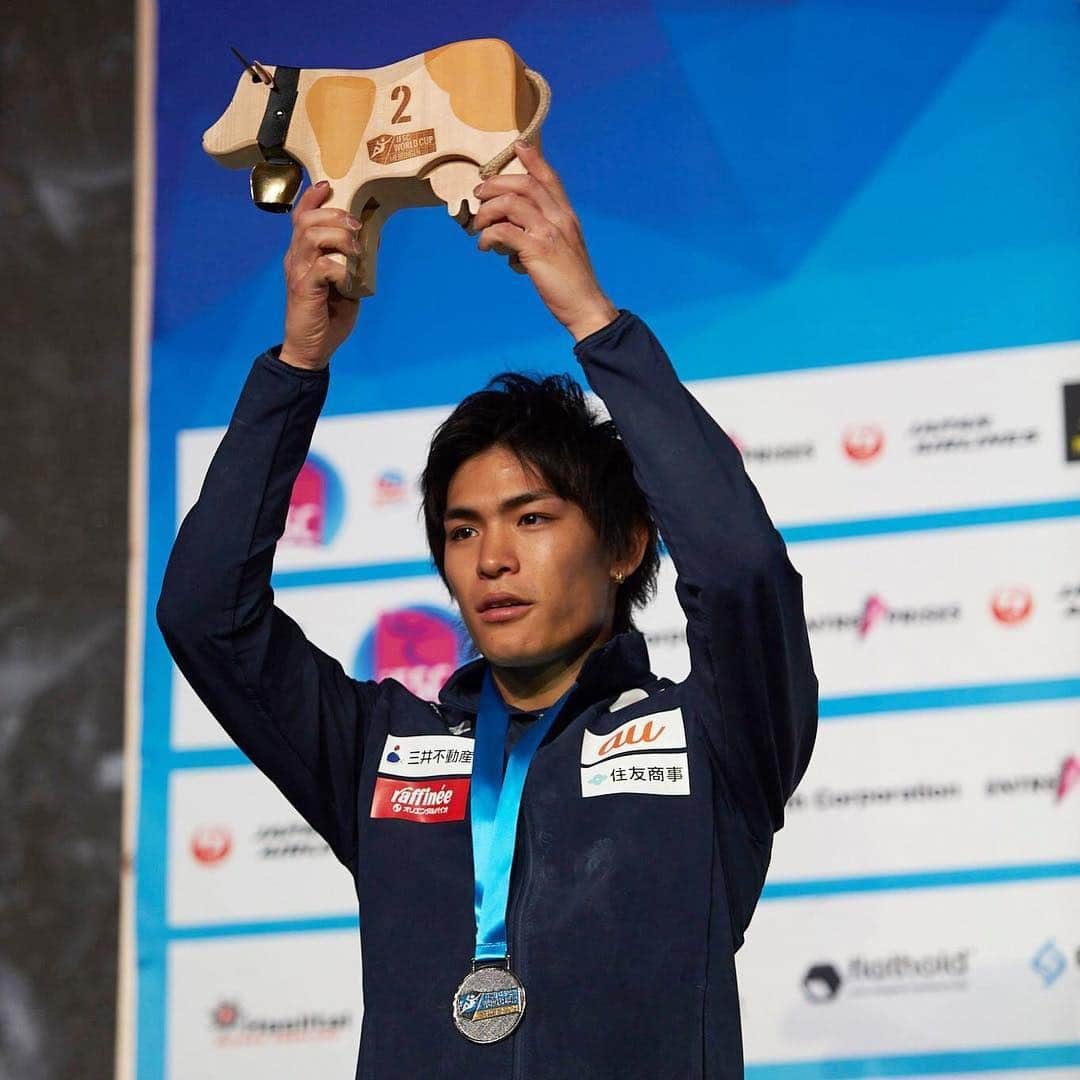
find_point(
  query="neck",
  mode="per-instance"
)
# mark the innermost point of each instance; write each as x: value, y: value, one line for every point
x: 531, y: 688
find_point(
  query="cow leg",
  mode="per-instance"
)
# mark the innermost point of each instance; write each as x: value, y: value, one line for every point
x: 453, y: 182
x: 372, y: 204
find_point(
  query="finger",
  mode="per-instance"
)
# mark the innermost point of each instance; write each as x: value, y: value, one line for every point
x: 526, y: 186
x: 313, y: 196
x: 536, y: 166
x: 302, y: 252
x: 326, y: 215
x: 309, y: 210
x: 320, y: 238
x: 517, y: 209
x: 301, y: 246
x: 505, y: 238
x: 326, y: 271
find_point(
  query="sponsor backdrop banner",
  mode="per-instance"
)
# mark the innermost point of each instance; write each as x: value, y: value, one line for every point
x: 856, y: 228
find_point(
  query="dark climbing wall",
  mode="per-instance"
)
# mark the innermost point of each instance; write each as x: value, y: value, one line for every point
x: 65, y: 248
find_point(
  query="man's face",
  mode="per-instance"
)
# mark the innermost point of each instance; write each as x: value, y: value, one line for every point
x: 509, y: 537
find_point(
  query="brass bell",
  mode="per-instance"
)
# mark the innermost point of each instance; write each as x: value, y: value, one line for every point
x: 274, y: 185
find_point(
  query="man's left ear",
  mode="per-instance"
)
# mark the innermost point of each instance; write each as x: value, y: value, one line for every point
x: 639, y: 538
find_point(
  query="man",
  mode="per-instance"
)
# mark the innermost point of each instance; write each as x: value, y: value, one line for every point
x: 582, y: 924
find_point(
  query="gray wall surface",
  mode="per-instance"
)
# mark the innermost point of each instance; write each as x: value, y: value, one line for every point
x: 65, y: 246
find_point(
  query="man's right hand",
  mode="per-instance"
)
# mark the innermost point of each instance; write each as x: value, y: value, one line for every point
x: 318, y: 318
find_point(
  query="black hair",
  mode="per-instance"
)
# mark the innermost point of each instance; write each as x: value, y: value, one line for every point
x: 547, y: 423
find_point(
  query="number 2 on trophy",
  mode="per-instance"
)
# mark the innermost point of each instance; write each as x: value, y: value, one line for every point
x: 404, y: 93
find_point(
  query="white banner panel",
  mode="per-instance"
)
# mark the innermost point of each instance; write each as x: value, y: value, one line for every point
x: 357, y: 499
x: 938, y: 789
x: 943, y: 608
x: 278, y: 1007
x: 894, y: 972
x: 899, y: 437
x: 239, y: 852
x: 938, y: 608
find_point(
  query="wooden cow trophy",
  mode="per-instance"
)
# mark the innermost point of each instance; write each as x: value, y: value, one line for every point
x: 419, y: 132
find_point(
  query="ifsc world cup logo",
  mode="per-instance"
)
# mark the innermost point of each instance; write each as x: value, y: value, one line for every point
x: 317, y: 505
x: 420, y: 646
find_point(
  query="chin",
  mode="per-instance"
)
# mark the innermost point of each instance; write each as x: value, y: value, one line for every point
x: 510, y: 655
x: 504, y: 651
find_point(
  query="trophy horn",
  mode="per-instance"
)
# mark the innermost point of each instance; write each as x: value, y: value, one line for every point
x: 258, y: 72
x: 275, y: 180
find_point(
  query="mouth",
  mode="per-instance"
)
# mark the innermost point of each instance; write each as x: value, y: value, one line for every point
x: 502, y: 607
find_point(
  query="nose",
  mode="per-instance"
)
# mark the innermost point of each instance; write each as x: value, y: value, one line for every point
x: 496, y: 554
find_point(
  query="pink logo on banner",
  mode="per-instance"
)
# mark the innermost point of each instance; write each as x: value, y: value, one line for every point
x: 316, y: 506
x: 1070, y: 776
x: 419, y: 646
x: 874, y: 610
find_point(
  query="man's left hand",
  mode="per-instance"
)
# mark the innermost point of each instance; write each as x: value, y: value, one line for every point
x: 530, y: 217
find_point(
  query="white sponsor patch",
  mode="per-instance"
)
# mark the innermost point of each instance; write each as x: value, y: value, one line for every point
x: 657, y: 731
x: 426, y: 755
x: 638, y: 774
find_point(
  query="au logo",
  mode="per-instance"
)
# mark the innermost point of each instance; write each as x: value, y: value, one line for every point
x: 629, y: 736
x: 651, y: 732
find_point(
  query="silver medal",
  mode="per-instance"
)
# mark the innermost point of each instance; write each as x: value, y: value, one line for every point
x: 488, y: 1004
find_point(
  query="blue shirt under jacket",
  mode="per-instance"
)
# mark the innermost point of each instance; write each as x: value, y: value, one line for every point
x: 649, y: 810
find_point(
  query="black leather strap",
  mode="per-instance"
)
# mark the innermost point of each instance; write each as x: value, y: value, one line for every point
x: 279, y: 110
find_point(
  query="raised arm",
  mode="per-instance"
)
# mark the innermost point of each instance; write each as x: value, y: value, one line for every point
x: 749, y: 651
x: 289, y: 706
x: 746, y: 630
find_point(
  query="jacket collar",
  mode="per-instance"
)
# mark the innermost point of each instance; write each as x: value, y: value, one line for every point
x: 620, y: 663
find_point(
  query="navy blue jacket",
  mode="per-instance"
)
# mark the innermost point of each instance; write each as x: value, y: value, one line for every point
x: 649, y: 810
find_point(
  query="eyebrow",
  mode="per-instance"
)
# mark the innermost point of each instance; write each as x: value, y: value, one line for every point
x: 467, y: 513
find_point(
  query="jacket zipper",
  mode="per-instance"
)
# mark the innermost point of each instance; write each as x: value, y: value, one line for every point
x: 515, y: 937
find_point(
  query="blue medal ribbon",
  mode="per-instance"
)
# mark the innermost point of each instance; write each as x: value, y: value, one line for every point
x: 493, y: 810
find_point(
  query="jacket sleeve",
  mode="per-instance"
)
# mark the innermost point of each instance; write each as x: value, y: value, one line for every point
x: 288, y: 706
x: 746, y: 628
